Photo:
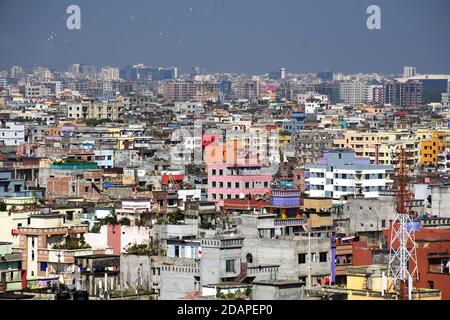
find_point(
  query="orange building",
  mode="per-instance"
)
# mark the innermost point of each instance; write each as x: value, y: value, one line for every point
x: 430, y: 148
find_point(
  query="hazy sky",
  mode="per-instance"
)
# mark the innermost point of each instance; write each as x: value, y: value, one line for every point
x: 254, y: 36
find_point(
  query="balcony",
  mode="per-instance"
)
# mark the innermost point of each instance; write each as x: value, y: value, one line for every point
x: 289, y: 222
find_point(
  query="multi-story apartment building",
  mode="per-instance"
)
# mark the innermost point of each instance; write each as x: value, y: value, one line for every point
x: 248, y: 89
x: 12, y: 134
x: 381, y: 147
x: 176, y: 90
x: 341, y: 173
x: 432, y: 147
x: 110, y: 73
x: 10, y: 269
x: 404, y: 93
x: 310, y: 144
x: 95, y: 110
x: 234, y: 181
x: 296, y: 122
x: 49, y: 245
x: 375, y: 94
x: 36, y: 91
x: 353, y: 92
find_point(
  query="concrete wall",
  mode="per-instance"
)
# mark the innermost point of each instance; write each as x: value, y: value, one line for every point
x: 285, y: 253
x: 177, y: 282
x: 440, y: 203
x: 367, y: 215
x: 264, y: 292
x: 129, y: 265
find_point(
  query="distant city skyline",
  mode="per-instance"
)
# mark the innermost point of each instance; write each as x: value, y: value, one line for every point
x: 253, y: 37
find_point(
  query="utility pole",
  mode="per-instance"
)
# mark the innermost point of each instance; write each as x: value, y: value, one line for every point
x: 309, y: 259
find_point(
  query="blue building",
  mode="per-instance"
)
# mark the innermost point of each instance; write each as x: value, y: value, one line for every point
x: 15, y: 188
x: 296, y: 123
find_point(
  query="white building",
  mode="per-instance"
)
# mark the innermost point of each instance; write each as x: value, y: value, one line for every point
x: 353, y: 92
x: 409, y: 72
x: 36, y: 91
x: 189, y: 108
x: 12, y: 134
x: 74, y: 111
x: 110, y: 73
x: 375, y: 94
x: 315, y: 103
x: 341, y: 173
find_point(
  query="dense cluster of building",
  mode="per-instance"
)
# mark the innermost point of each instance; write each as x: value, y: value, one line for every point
x: 145, y: 182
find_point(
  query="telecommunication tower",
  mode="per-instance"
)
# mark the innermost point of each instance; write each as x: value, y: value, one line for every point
x: 402, y: 255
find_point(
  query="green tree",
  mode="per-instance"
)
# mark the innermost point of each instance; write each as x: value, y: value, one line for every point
x: 125, y: 221
x: 176, y: 216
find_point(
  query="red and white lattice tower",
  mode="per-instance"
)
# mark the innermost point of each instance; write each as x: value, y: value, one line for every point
x: 402, y: 256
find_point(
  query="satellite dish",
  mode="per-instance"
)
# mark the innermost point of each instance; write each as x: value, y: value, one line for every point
x: 242, y: 196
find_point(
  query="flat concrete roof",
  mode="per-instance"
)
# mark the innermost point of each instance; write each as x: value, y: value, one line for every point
x: 280, y: 283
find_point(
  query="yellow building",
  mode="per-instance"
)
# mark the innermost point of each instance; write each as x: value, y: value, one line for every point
x: 381, y: 147
x: 432, y: 146
x: 366, y: 283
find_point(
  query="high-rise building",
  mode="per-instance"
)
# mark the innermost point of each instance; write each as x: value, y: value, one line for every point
x: 282, y: 73
x: 87, y: 69
x: 353, y: 92
x: 248, y: 89
x: 159, y: 73
x: 74, y: 68
x: 110, y: 73
x: 16, y: 71
x: 325, y: 75
x: 407, y: 94
x: 331, y: 90
x: 278, y: 75
x: 177, y: 90
x: 409, y: 72
x: 375, y: 94
x: 195, y: 71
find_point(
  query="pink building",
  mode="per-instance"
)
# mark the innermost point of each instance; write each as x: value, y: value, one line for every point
x: 118, y: 237
x: 229, y: 181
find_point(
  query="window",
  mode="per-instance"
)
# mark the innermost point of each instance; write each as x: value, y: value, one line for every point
x: 86, y: 189
x: 383, y: 223
x: 32, y: 255
x: 229, y: 184
x: 214, y: 172
x: 431, y: 284
x: 214, y: 184
x: 249, y: 258
x: 323, y: 256
x: 177, y: 251
x: 302, y: 258
x: 43, y: 266
x: 229, y: 266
